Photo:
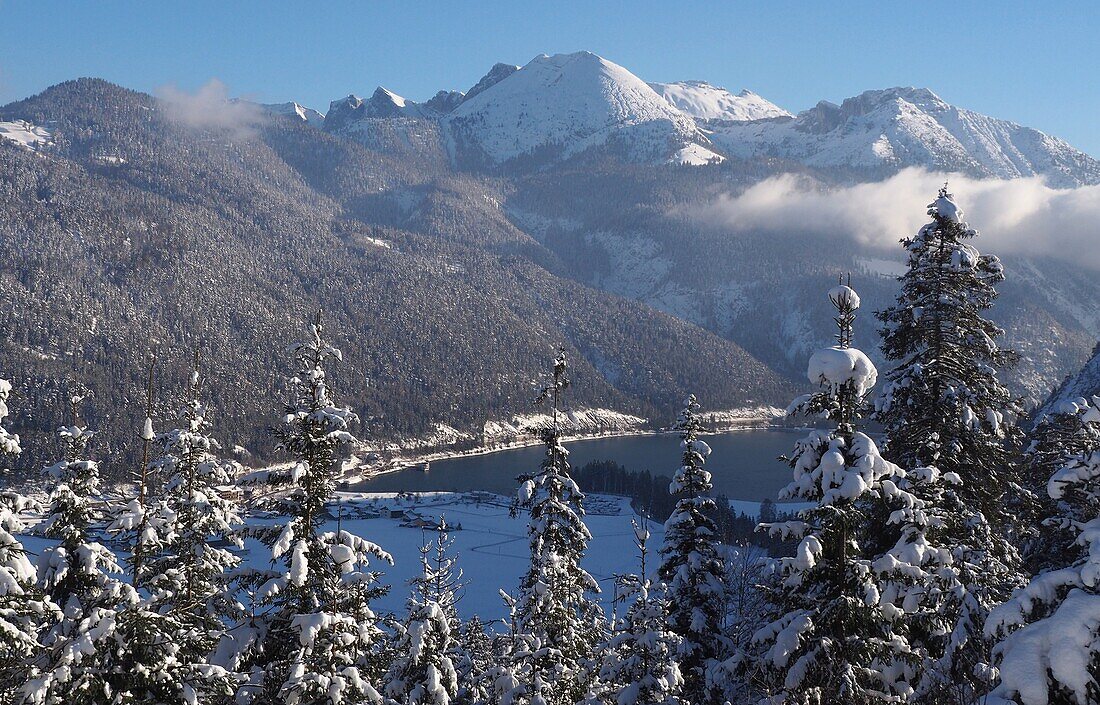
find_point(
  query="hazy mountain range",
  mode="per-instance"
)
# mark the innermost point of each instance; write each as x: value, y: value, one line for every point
x: 455, y: 243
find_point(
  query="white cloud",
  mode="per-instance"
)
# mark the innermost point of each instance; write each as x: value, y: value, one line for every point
x: 210, y: 108
x: 1019, y: 216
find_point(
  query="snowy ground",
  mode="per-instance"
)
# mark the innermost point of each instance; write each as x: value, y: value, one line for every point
x: 491, y: 546
x: 24, y: 133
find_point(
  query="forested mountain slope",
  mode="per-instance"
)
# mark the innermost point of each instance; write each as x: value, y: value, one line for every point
x: 136, y: 233
x: 131, y: 226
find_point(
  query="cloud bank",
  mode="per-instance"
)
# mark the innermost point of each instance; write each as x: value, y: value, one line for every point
x: 210, y: 108
x: 1019, y: 216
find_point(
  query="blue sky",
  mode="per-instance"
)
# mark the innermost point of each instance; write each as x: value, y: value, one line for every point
x: 1035, y: 63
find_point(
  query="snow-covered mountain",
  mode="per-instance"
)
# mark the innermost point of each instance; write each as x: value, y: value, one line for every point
x: 1084, y: 384
x: 498, y: 73
x: 498, y: 267
x: 701, y: 100
x: 900, y: 127
x: 383, y: 103
x: 445, y: 101
x: 296, y: 110
x: 559, y: 106
x: 556, y: 107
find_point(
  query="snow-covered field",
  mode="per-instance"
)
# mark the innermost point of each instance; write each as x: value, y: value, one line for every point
x: 24, y: 133
x: 491, y: 546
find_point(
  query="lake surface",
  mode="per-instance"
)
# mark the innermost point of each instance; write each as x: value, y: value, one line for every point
x: 743, y: 464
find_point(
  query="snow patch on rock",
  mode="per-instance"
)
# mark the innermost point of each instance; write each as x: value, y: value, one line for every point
x: 706, y: 102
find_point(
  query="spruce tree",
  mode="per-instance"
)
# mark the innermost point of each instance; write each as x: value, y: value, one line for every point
x: 110, y: 642
x: 86, y: 657
x: 1049, y: 652
x: 22, y: 607
x: 639, y: 662
x: 692, y: 567
x: 154, y: 657
x: 825, y: 638
x: 558, y: 624
x: 943, y: 406
x: 181, y: 566
x: 312, y: 636
x: 440, y: 580
x: 427, y: 647
x: 476, y: 658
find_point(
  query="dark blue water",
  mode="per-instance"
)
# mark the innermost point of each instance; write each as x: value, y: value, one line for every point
x: 743, y: 464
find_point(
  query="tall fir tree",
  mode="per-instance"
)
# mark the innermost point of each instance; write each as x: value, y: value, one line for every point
x: 22, y: 607
x: 440, y: 579
x: 427, y: 647
x: 476, y: 659
x: 1049, y: 649
x: 825, y: 638
x: 693, y: 569
x: 640, y: 664
x: 312, y: 636
x: 558, y: 624
x: 86, y: 658
x: 155, y: 658
x: 182, y: 564
x: 943, y: 406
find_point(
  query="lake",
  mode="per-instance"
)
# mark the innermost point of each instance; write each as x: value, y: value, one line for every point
x: 743, y: 464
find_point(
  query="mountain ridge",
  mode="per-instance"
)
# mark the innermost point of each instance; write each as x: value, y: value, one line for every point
x: 445, y: 311
x: 559, y: 106
x: 450, y: 286
x: 706, y: 102
x: 903, y: 127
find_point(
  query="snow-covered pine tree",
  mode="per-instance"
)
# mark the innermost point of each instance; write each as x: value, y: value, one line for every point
x: 475, y: 660
x: 500, y: 681
x: 181, y: 565
x: 22, y: 607
x: 943, y: 406
x: 440, y: 580
x: 692, y: 567
x: 312, y: 636
x: 1069, y: 431
x: 640, y: 661
x: 424, y: 672
x: 85, y: 657
x: 825, y: 639
x: 558, y: 624
x: 133, y: 524
x: 148, y: 658
x: 1050, y: 647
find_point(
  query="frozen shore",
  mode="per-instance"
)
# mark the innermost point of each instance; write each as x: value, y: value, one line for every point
x: 522, y: 431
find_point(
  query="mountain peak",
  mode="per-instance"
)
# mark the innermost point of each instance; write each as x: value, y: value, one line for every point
x: 382, y: 104
x: 869, y: 100
x: 498, y: 73
x: 295, y: 110
x: 564, y: 59
x: 342, y: 112
x: 385, y: 103
x: 563, y: 104
x: 444, y: 102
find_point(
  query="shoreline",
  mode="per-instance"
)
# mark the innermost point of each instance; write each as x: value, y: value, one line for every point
x: 402, y: 462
